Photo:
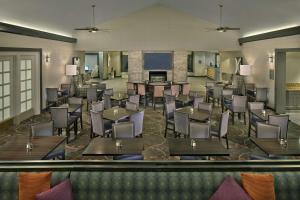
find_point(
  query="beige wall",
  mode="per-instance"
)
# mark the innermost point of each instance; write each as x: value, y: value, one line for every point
x: 227, y: 61
x: 257, y: 54
x: 293, y: 67
x: 157, y: 28
x: 61, y: 53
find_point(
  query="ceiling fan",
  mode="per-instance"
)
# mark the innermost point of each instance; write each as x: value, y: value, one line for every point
x: 92, y: 28
x: 222, y: 28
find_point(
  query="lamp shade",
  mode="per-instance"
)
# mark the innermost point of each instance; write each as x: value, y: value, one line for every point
x: 71, y: 70
x: 245, y: 70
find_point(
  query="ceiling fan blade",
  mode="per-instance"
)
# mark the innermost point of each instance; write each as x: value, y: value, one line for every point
x: 82, y: 29
x: 232, y: 29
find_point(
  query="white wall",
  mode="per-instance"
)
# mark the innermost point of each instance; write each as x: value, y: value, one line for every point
x: 293, y: 67
x: 61, y: 53
x: 227, y: 61
x: 257, y: 54
x: 157, y: 28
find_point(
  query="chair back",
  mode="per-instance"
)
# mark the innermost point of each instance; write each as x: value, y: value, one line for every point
x: 76, y: 100
x: 59, y: 116
x: 169, y: 99
x: 227, y: 92
x: 131, y: 92
x: 67, y: 87
x: 130, y: 86
x: 138, y: 121
x: 206, y: 107
x: 267, y: 131
x: 224, y: 123
x: 194, y: 94
x: 123, y: 130
x: 52, y: 95
x: 199, y: 130
x: 261, y: 94
x: 181, y: 121
x: 255, y: 106
x: 102, y: 86
x: 141, y: 89
x: 186, y: 89
x: 109, y: 92
x: 158, y: 91
x: 91, y: 94
x: 168, y: 92
x: 97, y: 106
x: 175, y: 90
x: 197, y: 100
x: 97, y: 123
x: 170, y: 109
x: 107, y: 101
x: 239, y: 103
x: 217, y: 91
x: 131, y: 106
x: 282, y: 121
x: 42, y: 129
x: 134, y: 99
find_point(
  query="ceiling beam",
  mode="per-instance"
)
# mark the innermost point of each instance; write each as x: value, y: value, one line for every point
x: 9, y: 28
x: 271, y: 35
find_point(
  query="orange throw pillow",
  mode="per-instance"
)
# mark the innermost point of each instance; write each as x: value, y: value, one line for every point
x: 259, y: 186
x: 31, y: 184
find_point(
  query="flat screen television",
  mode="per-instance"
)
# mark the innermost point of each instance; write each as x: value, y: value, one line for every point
x: 158, y: 61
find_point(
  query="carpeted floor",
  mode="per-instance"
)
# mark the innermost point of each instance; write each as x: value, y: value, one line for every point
x: 156, y: 147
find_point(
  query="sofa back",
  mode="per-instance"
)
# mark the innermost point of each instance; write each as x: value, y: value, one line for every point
x: 165, y: 180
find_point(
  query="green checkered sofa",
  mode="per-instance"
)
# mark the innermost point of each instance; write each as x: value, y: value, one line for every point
x: 162, y: 180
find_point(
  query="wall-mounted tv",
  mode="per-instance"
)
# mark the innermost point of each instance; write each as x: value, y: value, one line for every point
x: 158, y: 61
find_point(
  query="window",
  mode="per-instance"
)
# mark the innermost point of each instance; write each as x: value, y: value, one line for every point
x: 190, y: 62
x: 5, y: 82
x: 124, y: 64
x: 26, y: 85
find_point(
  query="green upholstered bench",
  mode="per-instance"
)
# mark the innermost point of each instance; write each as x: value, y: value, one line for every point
x: 151, y: 180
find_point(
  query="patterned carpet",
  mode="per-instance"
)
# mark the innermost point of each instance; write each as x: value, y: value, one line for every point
x: 156, y: 147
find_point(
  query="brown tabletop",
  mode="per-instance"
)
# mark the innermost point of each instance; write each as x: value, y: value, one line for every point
x: 116, y: 113
x: 180, y: 83
x: 184, y: 99
x: 262, y: 116
x: 158, y: 84
x: 194, y: 113
x: 107, y: 147
x: 272, y: 147
x: 15, y: 149
x: 71, y: 107
x: 119, y: 96
x: 204, y: 147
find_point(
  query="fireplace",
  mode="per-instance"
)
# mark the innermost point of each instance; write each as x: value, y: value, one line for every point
x: 157, y: 76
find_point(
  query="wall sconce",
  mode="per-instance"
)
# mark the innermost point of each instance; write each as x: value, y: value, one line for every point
x: 271, y: 59
x: 47, y: 58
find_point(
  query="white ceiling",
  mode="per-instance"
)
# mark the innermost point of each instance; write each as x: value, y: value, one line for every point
x: 61, y: 16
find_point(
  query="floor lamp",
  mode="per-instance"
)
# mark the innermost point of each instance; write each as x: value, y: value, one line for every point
x: 71, y: 70
x: 245, y: 70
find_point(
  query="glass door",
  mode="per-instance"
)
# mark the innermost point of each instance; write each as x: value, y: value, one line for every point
x: 25, y: 72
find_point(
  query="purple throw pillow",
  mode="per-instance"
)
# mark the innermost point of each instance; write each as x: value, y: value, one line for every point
x: 62, y: 191
x: 230, y: 190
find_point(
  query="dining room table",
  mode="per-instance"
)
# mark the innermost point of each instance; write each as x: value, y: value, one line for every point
x: 263, y: 114
x: 71, y: 107
x: 277, y: 147
x: 117, y: 113
x: 184, y: 99
x: 196, y: 147
x: 114, y: 147
x: 15, y: 147
x: 119, y: 97
x: 194, y: 113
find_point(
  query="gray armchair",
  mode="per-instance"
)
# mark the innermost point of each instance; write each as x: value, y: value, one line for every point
x: 169, y: 116
x: 197, y: 100
x: 131, y: 106
x: 53, y: 98
x: 107, y: 101
x: 77, y: 113
x: 199, y: 130
x: 97, y: 106
x: 135, y: 99
x: 99, y: 126
x: 238, y: 105
x: 123, y: 130
x: 181, y: 121
x: 206, y: 107
x: 138, y: 121
x: 252, y: 118
x: 91, y: 96
x: 267, y: 131
x: 282, y: 121
x: 222, y: 131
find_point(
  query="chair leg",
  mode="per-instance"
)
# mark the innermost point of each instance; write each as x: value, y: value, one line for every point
x: 232, y: 118
x: 226, y: 137
x: 244, y: 118
x: 68, y: 134
x: 249, y: 129
x: 166, y: 130
x: 81, y: 124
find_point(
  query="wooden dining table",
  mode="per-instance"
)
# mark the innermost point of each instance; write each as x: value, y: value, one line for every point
x: 119, y: 97
x: 184, y: 99
x: 204, y: 147
x: 107, y: 147
x: 71, y: 107
x: 263, y: 116
x: 194, y: 113
x: 116, y: 113
x: 15, y: 148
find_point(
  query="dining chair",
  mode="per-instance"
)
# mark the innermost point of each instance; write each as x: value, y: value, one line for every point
x: 107, y: 101
x: 109, y: 92
x: 181, y: 121
x: 97, y: 106
x: 43, y: 130
x: 67, y: 87
x: 123, y: 130
x: 197, y: 100
x: 267, y: 131
x: 138, y: 121
x: 78, y: 112
x: 282, y: 121
x: 130, y: 86
x: 253, y: 119
x: 142, y: 92
x: 261, y: 95
x: 91, y: 96
x: 175, y: 90
x: 168, y: 92
x: 186, y: 89
x: 131, y: 106
x: 222, y: 131
x: 131, y: 92
x: 170, y: 108
x: 208, y: 107
x: 157, y: 93
x: 62, y: 120
x: 194, y: 94
x: 99, y: 127
x: 199, y: 130
x: 226, y: 92
x: 135, y: 99
x: 238, y: 105
x: 217, y: 94
x: 52, y: 97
